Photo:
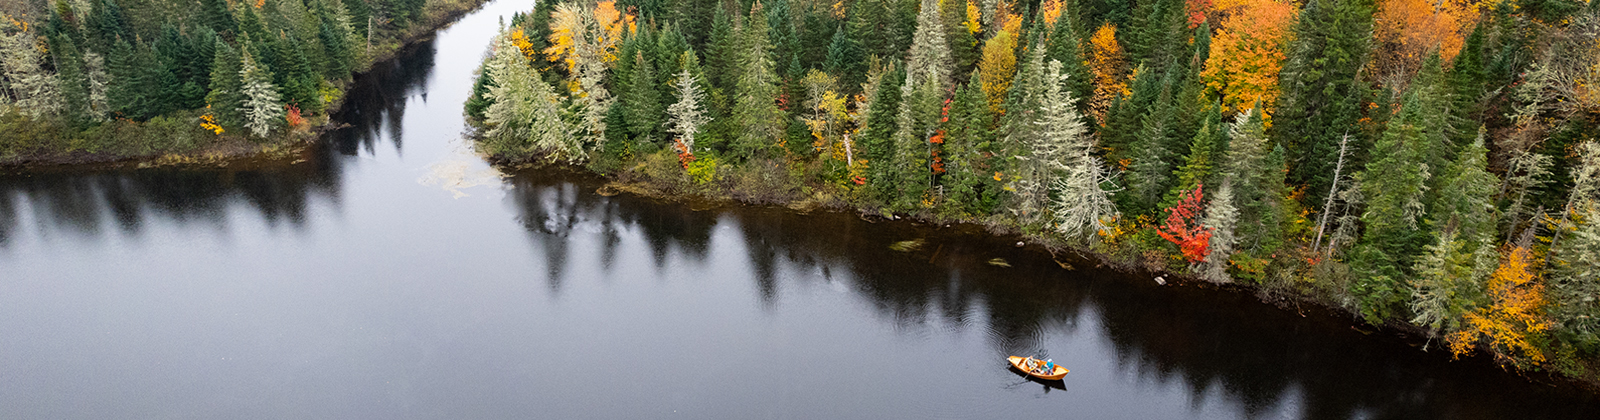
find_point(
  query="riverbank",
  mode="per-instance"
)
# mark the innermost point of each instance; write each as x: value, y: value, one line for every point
x: 178, y: 139
x: 658, y: 176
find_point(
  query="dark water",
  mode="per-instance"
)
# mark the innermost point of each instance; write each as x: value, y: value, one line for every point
x: 394, y: 275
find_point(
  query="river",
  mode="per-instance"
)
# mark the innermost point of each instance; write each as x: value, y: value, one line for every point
x: 393, y: 274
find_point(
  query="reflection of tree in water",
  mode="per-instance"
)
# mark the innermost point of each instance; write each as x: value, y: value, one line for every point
x: 550, y: 209
x: 86, y: 203
x: 1210, y: 342
x: 377, y: 101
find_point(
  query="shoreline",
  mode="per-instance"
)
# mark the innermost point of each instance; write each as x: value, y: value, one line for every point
x: 225, y: 151
x: 1066, y: 256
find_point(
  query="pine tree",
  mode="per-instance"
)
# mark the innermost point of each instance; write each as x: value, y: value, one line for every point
x: 964, y: 51
x: 1575, y: 259
x: 73, y: 82
x: 846, y: 59
x: 262, y: 108
x: 968, y: 143
x: 1066, y: 47
x: 525, y: 119
x: 720, y: 51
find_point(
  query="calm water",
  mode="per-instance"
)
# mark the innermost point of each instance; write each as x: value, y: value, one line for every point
x: 394, y: 275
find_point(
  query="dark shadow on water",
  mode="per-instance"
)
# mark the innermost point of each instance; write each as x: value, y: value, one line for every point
x: 1209, y: 342
x: 376, y: 103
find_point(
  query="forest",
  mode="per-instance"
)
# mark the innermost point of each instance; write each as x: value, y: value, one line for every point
x: 1428, y: 166
x: 155, y: 77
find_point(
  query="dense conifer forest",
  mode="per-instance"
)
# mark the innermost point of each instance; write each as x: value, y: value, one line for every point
x: 130, y: 78
x: 1427, y: 165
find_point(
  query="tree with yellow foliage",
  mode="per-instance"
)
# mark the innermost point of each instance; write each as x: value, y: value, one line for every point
x: 1247, y: 52
x: 998, y: 66
x: 1514, y: 319
x: 1110, y: 70
x: 1408, y: 30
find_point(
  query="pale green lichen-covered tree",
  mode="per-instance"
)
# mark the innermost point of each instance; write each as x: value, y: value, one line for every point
x: 1574, y: 286
x: 688, y: 115
x: 263, y: 108
x: 1452, y: 271
x: 32, y: 89
x: 1061, y: 159
x: 525, y: 119
x: 930, y: 53
x: 1221, y: 216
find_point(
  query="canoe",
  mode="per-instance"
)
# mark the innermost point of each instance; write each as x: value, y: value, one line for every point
x: 1017, y: 362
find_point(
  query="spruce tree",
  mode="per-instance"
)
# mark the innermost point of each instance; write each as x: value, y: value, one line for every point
x: 688, y: 115
x: 1574, y: 290
x: 846, y: 59
x: 876, y: 141
x: 720, y: 51
x: 964, y: 51
x: 525, y: 119
x: 1322, y: 97
x: 225, y: 97
x: 970, y: 187
x: 35, y: 90
x: 1221, y: 218
x: 642, y: 102
x: 1393, y: 183
x: 930, y: 55
x: 262, y: 108
x: 755, y: 111
x: 73, y: 81
x: 1066, y: 47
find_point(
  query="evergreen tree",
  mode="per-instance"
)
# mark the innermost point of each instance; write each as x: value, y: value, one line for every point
x: 1575, y: 259
x: 930, y: 55
x: 877, y: 146
x: 686, y: 116
x: 1321, y: 97
x: 642, y: 102
x: 1394, y: 183
x: 73, y: 80
x: 1452, y: 270
x: 262, y: 108
x: 964, y: 51
x: 1201, y: 162
x: 755, y: 111
x: 1221, y: 217
x: 33, y: 89
x: 226, y: 96
x: 971, y: 188
x: 846, y: 59
x: 721, y: 50
x: 1154, y: 158
x: 1066, y: 47
x: 1258, y: 182
x: 1466, y: 81
x: 525, y: 118
x: 1020, y: 130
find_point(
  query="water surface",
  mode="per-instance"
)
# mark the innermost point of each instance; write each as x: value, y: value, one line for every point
x: 395, y: 275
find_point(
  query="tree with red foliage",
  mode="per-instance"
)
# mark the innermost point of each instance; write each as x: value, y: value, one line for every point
x: 1183, y: 226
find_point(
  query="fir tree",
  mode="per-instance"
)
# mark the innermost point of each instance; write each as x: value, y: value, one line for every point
x: 755, y: 111
x: 930, y: 55
x: 1394, y: 183
x: 642, y: 102
x: 720, y: 51
x: 1066, y: 47
x: 846, y: 59
x: 1321, y: 97
x: 971, y: 189
x: 226, y: 98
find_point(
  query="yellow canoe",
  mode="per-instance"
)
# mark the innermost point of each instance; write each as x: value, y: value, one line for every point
x: 1021, y: 363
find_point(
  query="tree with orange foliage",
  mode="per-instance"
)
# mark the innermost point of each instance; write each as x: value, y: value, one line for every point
x: 1514, y: 318
x: 1248, y: 51
x: 1110, y: 70
x: 1183, y: 226
x: 1408, y: 30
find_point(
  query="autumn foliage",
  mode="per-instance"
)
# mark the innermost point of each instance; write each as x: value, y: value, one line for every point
x: 1408, y: 30
x: 1248, y: 50
x: 1183, y: 226
x: 1110, y: 70
x: 1515, y: 314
